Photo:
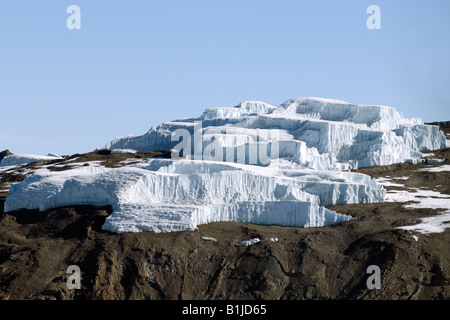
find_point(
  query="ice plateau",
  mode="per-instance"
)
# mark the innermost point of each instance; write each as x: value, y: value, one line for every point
x: 312, y: 132
x: 251, y: 163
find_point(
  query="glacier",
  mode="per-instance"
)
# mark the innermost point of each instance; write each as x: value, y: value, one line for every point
x: 163, y: 195
x: 304, y: 149
x: 313, y: 132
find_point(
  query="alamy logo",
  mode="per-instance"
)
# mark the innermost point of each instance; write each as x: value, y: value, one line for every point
x: 373, y: 281
x: 74, y: 281
x: 228, y: 146
x: 374, y: 20
x: 73, y: 22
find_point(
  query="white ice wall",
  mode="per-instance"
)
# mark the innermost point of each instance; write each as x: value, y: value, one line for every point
x: 355, y: 134
x: 314, y: 139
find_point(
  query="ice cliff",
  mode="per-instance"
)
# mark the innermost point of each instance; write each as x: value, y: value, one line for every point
x: 214, y: 174
x: 312, y: 132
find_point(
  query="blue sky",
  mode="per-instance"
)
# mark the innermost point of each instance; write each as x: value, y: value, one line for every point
x: 134, y: 64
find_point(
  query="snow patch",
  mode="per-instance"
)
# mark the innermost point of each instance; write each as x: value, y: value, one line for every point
x: 386, y: 182
x: 123, y: 151
x: 209, y: 239
x: 434, y: 224
x: 20, y: 159
x: 445, y: 167
x: 420, y: 198
x: 51, y: 154
x: 247, y: 243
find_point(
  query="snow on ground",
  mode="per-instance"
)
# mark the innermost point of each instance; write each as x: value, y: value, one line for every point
x: 209, y: 239
x: 123, y: 151
x: 434, y: 224
x: 445, y: 167
x: 386, y: 182
x: 419, y: 198
x: 247, y: 243
x: 19, y: 159
x: 6, y: 187
x: 93, y: 163
x: 4, y: 169
x: 307, y: 144
x: 422, y: 198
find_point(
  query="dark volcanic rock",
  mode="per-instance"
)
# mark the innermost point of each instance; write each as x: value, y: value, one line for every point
x: 5, y: 153
x: 314, y: 263
x: 441, y: 124
x: 104, y: 152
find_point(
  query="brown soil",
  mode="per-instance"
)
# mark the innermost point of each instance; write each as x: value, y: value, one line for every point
x: 314, y: 263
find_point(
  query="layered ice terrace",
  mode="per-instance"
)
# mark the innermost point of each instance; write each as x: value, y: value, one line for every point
x: 303, y: 150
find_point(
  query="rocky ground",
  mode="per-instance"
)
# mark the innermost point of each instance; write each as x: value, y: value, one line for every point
x: 314, y: 263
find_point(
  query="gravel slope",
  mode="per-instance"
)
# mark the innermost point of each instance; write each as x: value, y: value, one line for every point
x: 315, y: 263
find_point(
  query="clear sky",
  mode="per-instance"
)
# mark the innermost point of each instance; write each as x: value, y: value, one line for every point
x: 137, y: 63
